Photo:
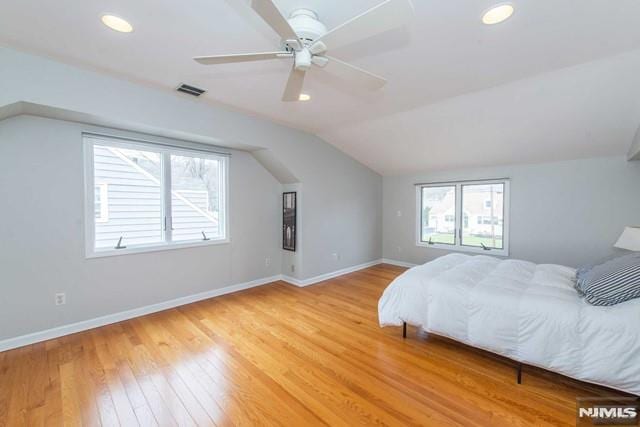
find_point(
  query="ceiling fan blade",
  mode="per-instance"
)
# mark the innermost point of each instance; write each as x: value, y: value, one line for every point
x: 272, y: 16
x: 241, y: 57
x: 320, y: 61
x: 354, y: 74
x: 294, y: 86
x: 387, y: 15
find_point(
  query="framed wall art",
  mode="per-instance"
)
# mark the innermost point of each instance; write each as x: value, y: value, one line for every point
x: 289, y: 208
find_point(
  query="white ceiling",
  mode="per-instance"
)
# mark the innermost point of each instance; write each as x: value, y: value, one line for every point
x: 459, y: 93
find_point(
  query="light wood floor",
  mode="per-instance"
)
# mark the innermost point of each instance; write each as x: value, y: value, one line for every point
x: 275, y: 355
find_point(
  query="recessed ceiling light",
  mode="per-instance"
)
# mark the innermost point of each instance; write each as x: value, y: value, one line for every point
x: 116, y: 23
x: 497, y: 14
x: 304, y: 97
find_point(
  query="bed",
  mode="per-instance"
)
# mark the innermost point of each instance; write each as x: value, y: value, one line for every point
x: 528, y: 312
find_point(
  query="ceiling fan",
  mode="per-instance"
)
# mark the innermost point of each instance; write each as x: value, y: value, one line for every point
x: 305, y: 39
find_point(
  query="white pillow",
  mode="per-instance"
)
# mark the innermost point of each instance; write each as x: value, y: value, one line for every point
x: 556, y: 276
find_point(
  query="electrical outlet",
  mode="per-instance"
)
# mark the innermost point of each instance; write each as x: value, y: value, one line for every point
x: 267, y: 262
x: 399, y: 213
x: 293, y: 268
x: 61, y: 299
x: 399, y: 249
x: 336, y: 256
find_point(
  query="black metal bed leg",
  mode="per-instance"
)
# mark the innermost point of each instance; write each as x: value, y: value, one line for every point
x: 519, y: 376
x: 404, y: 329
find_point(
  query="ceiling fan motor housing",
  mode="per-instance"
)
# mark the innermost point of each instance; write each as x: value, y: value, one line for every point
x: 303, y: 59
x: 306, y: 25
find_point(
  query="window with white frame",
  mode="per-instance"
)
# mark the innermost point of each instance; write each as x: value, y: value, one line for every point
x: 142, y: 196
x: 444, y: 210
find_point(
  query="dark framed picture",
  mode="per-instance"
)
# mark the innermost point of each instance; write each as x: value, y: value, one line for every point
x: 289, y: 221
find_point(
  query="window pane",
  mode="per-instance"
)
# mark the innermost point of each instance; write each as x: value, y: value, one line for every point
x: 197, y: 198
x: 484, y: 204
x: 132, y: 206
x: 439, y: 214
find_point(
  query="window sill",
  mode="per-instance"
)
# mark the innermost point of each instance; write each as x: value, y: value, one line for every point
x: 155, y: 248
x: 470, y: 249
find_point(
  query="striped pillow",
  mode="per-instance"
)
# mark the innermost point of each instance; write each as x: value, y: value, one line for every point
x: 611, y: 283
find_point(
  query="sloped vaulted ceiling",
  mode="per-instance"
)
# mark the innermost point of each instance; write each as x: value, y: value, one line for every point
x: 556, y: 81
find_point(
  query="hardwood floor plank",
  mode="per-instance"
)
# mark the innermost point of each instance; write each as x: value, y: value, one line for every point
x: 17, y: 402
x: 7, y: 372
x: 72, y: 415
x: 37, y: 379
x: 276, y: 355
x: 53, y: 400
x: 86, y: 389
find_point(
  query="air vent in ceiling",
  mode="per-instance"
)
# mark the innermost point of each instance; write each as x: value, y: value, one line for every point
x: 191, y: 90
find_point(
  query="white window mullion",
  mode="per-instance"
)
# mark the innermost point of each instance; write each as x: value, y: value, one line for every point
x: 89, y: 196
x: 166, y: 194
x: 222, y: 216
x: 458, y: 236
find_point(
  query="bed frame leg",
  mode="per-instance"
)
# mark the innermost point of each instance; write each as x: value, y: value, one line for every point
x: 404, y: 329
x: 519, y: 375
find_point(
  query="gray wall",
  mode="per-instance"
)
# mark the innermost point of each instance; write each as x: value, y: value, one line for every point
x: 42, y: 235
x: 342, y: 198
x: 567, y: 213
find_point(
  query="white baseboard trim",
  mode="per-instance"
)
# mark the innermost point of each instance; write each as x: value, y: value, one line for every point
x: 312, y: 280
x: 84, y: 325
x: 21, y: 341
x: 398, y: 263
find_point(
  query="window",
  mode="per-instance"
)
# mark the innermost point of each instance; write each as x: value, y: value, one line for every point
x: 489, y: 233
x: 145, y: 197
x: 437, y: 213
x: 195, y: 198
x: 445, y: 209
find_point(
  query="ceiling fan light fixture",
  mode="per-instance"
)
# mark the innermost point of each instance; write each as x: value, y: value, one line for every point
x: 116, y: 23
x: 498, y: 13
x: 304, y: 97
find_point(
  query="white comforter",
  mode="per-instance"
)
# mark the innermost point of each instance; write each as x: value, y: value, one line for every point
x: 527, y: 312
